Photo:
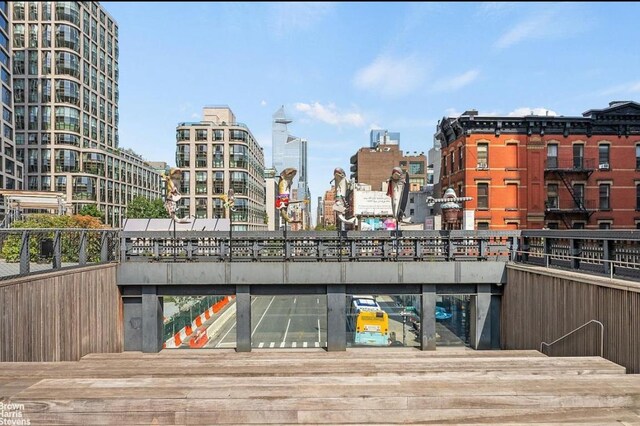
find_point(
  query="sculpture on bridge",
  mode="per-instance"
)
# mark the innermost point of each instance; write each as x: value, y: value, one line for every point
x: 450, y: 206
x: 284, y: 192
x: 229, y: 200
x: 398, y: 190
x: 340, y: 204
x: 172, y: 194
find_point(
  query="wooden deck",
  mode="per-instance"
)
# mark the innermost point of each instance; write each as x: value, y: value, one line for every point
x: 359, y: 386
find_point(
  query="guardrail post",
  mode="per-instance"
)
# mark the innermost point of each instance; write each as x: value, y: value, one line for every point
x: 57, y: 250
x: 546, y: 242
x: 450, y: 248
x: 82, y: 253
x: 482, y: 246
x: 105, y: 237
x: 24, y: 254
x: 575, y: 253
x: 513, y: 253
x: 606, y: 257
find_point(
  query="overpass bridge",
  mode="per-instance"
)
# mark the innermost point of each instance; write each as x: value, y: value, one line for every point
x: 149, y: 263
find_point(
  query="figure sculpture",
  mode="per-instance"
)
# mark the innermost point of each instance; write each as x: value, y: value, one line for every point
x: 340, y: 204
x: 284, y: 192
x: 398, y: 190
x: 172, y: 194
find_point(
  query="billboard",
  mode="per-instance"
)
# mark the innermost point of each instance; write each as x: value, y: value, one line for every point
x: 371, y: 203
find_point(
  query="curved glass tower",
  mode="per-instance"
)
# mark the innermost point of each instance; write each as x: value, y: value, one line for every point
x: 65, y: 78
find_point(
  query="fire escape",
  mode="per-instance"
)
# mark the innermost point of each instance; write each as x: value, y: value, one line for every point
x: 579, y: 169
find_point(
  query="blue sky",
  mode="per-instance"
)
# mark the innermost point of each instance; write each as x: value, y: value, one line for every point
x: 341, y: 69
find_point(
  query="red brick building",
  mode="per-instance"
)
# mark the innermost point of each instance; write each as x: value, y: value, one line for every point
x: 329, y: 216
x: 546, y: 171
x: 373, y: 166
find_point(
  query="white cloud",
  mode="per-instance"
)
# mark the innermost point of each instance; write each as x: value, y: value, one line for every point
x: 522, y: 111
x: 263, y: 103
x: 330, y: 114
x: 391, y: 76
x: 456, y: 82
x: 294, y: 16
x: 563, y: 21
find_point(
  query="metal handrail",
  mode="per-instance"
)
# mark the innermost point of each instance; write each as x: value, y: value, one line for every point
x: 571, y: 332
x: 547, y: 258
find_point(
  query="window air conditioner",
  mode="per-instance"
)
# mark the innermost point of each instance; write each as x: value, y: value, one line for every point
x: 482, y: 166
x: 604, y: 166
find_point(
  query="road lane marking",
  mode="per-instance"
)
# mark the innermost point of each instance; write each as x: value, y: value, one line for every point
x: 286, y: 331
x: 282, y: 345
x: 272, y: 344
x: 265, y: 313
x: 293, y: 344
x: 304, y: 345
x: 317, y: 344
x: 260, y: 345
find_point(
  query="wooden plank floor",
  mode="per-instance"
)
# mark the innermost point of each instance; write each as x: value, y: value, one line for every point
x: 358, y: 386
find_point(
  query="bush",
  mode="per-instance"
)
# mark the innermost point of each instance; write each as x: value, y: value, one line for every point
x: 70, y: 243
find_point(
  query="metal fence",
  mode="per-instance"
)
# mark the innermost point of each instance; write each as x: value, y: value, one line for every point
x: 599, y: 252
x: 29, y: 251
x: 304, y: 246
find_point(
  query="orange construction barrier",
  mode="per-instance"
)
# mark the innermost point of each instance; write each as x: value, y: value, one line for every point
x: 199, y: 339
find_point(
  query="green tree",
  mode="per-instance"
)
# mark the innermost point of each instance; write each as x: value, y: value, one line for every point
x: 91, y: 210
x: 143, y: 208
x: 69, y: 243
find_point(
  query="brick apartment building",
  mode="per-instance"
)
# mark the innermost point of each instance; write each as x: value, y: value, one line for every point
x: 546, y: 171
x: 372, y: 166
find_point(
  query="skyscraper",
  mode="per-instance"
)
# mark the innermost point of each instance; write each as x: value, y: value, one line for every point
x: 291, y: 151
x: 65, y: 93
x: 383, y: 137
x: 10, y: 171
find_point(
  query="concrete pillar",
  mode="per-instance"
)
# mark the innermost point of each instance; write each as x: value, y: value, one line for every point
x: 336, y: 318
x: 243, y: 318
x: 428, y: 318
x: 152, y: 320
x: 481, y: 319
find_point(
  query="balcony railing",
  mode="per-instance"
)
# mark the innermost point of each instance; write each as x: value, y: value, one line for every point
x: 578, y: 164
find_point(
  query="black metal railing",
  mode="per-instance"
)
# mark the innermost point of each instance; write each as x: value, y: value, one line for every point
x: 30, y: 251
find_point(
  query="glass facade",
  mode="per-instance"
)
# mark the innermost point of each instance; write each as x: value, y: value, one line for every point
x: 66, y: 106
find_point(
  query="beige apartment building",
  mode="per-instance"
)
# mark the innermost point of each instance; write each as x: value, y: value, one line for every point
x: 65, y: 95
x: 215, y: 155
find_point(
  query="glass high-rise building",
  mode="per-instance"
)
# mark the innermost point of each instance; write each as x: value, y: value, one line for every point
x: 10, y: 169
x: 383, y: 137
x: 291, y: 151
x: 65, y: 94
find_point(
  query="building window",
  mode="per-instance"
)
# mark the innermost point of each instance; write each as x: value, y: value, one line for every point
x: 483, y: 225
x: 637, y: 197
x: 483, y: 155
x: 483, y: 195
x: 552, y: 196
x: 578, y: 225
x: 603, y: 156
x: 637, y: 157
x: 416, y: 168
x: 552, y: 156
x: 605, y: 191
x: 552, y: 225
x: 578, y: 156
x: 460, y: 159
x: 604, y: 225
x: 578, y: 195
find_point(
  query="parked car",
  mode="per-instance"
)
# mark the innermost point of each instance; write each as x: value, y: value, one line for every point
x: 442, y: 314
